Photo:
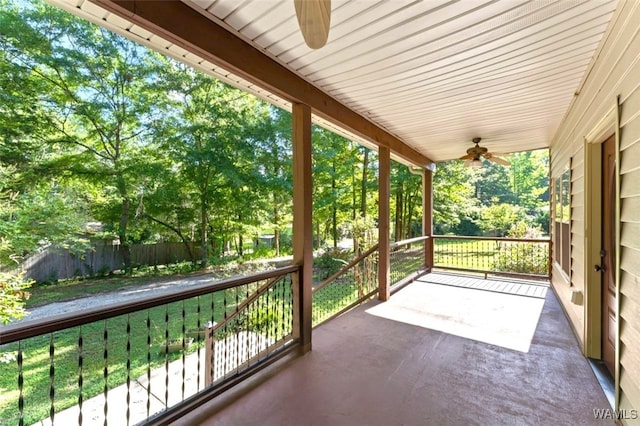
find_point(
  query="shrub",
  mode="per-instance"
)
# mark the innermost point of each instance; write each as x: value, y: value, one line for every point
x: 523, y: 257
x: 330, y: 261
x: 13, y: 296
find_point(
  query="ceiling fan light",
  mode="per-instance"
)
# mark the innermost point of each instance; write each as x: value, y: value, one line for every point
x: 476, y: 163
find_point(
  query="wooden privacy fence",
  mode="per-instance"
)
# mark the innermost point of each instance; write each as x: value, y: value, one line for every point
x: 58, y: 264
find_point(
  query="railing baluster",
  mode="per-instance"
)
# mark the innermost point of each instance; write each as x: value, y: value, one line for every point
x: 80, y: 372
x: 282, y: 331
x: 52, y: 374
x: 198, y: 341
x: 105, y: 372
x: 148, y: 363
x: 184, y: 348
x: 166, y: 355
x: 213, y: 341
x: 225, y: 339
x: 252, y: 316
x: 273, y: 312
x: 128, y: 369
x: 20, y: 385
x: 236, y: 331
x: 266, y: 306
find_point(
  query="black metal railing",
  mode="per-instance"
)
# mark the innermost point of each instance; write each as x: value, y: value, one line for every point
x: 493, y: 255
x: 407, y: 259
x: 351, y: 285
x: 147, y: 359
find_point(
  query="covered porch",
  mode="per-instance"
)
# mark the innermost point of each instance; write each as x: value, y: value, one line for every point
x: 366, y: 368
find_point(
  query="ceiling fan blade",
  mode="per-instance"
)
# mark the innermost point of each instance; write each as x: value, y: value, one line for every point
x: 314, y: 18
x: 497, y: 160
x: 466, y: 157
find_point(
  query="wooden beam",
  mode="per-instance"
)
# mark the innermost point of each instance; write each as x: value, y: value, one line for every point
x: 384, y: 191
x: 186, y: 27
x: 302, y: 223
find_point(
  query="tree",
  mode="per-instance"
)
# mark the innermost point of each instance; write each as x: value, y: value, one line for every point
x: 406, y: 189
x: 274, y: 180
x: 100, y: 100
x: 336, y: 182
x: 453, y: 196
x: 498, y: 218
x: 209, y: 141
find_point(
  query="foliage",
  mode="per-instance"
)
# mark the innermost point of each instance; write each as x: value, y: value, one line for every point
x: 498, y: 218
x: 406, y: 202
x: 463, y: 195
x: 362, y: 229
x: 261, y: 320
x: 521, y: 257
x: 39, y: 218
x: 341, y: 170
x: 453, y: 201
x: 331, y: 261
x: 13, y: 293
x: 100, y: 101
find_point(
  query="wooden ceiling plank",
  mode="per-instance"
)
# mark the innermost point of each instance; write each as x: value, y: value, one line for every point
x: 441, y: 61
x: 453, y: 76
x: 483, y: 99
x: 495, y: 88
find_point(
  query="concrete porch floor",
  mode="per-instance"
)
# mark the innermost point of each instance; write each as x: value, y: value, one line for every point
x: 369, y: 370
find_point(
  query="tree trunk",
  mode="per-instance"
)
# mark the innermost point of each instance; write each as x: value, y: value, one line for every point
x: 240, y: 249
x: 276, y: 225
x: 125, y: 250
x: 318, y: 237
x: 398, y: 215
x: 363, y: 187
x: 354, y: 193
x: 334, y: 207
x: 203, y: 232
x: 184, y: 240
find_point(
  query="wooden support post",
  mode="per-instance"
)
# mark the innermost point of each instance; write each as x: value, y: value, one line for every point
x: 427, y: 217
x: 302, y: 224
x: 384, y: 264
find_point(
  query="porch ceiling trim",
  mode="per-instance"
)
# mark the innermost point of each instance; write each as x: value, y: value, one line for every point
x: 186, y: 27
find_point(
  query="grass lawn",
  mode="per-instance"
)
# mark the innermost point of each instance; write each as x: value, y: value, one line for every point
x: 469, y: 254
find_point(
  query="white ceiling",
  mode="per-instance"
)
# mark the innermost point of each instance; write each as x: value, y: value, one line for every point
x: 434, y: 73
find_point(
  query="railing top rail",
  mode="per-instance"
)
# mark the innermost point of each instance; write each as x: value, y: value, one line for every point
x: 409, y: 241
x: 521, y: 240
x: 30, y: 328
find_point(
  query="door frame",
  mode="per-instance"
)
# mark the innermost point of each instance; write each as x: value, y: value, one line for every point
x: 609, y: 125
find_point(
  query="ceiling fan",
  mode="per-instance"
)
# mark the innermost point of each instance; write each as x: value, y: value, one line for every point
x: 473, y: 156
x: 314, y: 18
